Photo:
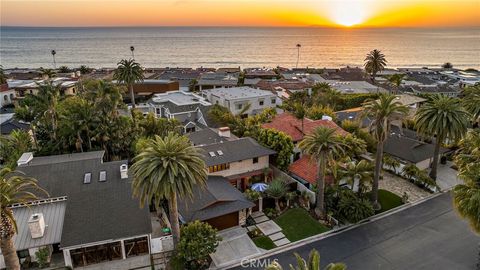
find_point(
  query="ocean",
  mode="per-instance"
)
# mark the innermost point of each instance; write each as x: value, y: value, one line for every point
x: 237, y: 46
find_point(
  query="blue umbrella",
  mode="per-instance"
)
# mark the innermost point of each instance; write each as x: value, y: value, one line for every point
x: 260, y: 187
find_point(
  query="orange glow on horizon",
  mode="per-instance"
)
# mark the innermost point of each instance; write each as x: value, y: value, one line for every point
x: 333, y: 13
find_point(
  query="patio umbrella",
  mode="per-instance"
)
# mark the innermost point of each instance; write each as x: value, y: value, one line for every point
x: 260, y: 187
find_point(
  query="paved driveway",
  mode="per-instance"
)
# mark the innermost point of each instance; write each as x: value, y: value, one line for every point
x: 235, y: 246
x: 429, y: 235
x: 447, y: 177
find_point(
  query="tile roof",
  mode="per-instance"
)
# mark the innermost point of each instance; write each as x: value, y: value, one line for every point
x: 306, y: 168
x: 218, y: 198
x: 292, y: 126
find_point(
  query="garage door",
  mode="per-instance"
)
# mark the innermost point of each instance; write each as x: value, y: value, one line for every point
x: 224, y: 222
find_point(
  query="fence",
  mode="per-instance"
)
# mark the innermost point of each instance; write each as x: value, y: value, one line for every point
x: 277, y: 173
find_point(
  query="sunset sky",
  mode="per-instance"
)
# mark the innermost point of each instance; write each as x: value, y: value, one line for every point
x: 359, y: 13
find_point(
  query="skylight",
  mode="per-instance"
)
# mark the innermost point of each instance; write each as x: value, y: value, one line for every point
x: 212, y: 154
x: 220, y: 153
x: 87, y: 178
x: 103, y: 176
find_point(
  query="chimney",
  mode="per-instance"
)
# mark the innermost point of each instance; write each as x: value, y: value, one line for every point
x: 326, y: 117
x: 36, y: 224
x: 25, y: 158
x: 124, y: 171
x: 224, y: 132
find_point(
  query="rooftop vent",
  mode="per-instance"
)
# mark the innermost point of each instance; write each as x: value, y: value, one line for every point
x: 25, y: 158
x: 36, y: 224
x: 124, y: 171
x: 103, y: 176
x: 224, y: 132
x: 87, y: 178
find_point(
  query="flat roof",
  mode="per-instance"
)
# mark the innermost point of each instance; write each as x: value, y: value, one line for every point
x: 238, y: 92
x: 180, y: 98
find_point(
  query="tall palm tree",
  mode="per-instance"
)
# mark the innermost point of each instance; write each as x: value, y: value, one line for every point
x: 132, y: 49
x: 166, y: 168
x: 382, y: 112
x: 375, y: 62
x: 47, y: 73
x: 298, y: 53
x: 53, y: 52
x: 391, y: 162
x: 445, y: 118
x: 313, y: 263
x: 129, y: 72
x: 45, y: 105
x: 396, y: 81
x: 358, y: 170
x: 300, y: 112
x: 15, y: 189
x: 276, y: 190
x: 471, y: 101
x: 322, y: 145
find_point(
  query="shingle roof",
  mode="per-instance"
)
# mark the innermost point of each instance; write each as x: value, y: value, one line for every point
x: 204, y: 136
x: 10, y: 125
x: 236, y: 150
x: 292, y: 126
x: 218, y: 198
x: 97, y: 211
x: 409, y: 149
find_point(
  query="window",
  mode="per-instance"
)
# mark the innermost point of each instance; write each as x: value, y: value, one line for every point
x: 87, y: 178
x: 218, y: 168
x: 5, y: 97
x: 103, y: 176
x: 220, y: 153
x: 136, y: 247
x: 255, y: 160
x: 239, y: 106
x: 260, y: 102
x: 274, y: 100
x: 189, y: 129
x: 23, y: 253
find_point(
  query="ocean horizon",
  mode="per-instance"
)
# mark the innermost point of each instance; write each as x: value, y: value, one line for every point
x: 211, y: 46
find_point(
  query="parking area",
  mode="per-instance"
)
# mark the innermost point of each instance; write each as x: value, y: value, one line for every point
x: 235, y: 246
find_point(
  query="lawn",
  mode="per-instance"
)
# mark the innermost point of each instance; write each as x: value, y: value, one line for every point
x: 264, y: 242
x: 388, y: 200
x: 297, y: 224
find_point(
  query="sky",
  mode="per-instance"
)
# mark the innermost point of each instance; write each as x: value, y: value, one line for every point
x: 335, y: 13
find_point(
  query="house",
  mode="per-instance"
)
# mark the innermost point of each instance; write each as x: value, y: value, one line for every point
x: 102, y: 222
x: 305, y: 170
x: 283, y: 86
x: 7, y: 95
x: 218, y: 204
x: 218, y: 79
x: 345, y: 74
x: 355, y: 87
x: 313, y: 78
x: 353, y: 114
x: 184, y: 76
x: 189, y: 109
x: 240, y: 160
x: 237, y: 98
x: 149, y: 87
x: 67, y: 86
x: 262, y: 73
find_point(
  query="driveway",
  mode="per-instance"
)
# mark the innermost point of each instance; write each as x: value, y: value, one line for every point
x: 447, y: 177
x: 235, y: 246
x: 429, y: 235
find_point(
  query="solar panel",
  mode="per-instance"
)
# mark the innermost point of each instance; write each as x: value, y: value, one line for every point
x: 103, y: 176
x: 87, y: 178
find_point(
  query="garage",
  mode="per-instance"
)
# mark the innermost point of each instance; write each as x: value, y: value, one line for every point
x: 224, y: 222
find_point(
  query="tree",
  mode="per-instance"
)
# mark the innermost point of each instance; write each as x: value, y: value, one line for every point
x: 298, y: 53
x: 3, y: 78
x: 351, y: 208
x: 445, y: 118
x: 13, y: 146
x: 198, y: 241
x: 411, y: 171
x: 166, y: 168
x: 313, y: 263
x: 15, y: 189
x: 358, y: 170
x: 64, y: 69
x: 279, y: 142
x: 382, y: 111
x: 375, y: 62
x: 355, y: 146
x: 391, y: 162
x: 299, y: 113
x: 151, y: 126
x: 396, y: 81
x: 76, y: 123
x: 447, y: 65
x: 84, y: 69
x: 322, y: 145
x: 129, y: 72
x: 471, y: 101
x: 466, y: 196
x: 276, y: 190
x: 47, y: 73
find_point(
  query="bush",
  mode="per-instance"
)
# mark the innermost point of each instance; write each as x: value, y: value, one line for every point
x: 348, y: 101
x: 42, y: 255
x: 270, y: 212
x: 353, y: 209
x: 350, y: 126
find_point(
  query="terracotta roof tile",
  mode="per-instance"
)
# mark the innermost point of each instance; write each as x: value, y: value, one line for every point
x: 306, y: 168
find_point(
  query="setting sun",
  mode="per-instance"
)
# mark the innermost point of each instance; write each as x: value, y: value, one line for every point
x: 348, y: 13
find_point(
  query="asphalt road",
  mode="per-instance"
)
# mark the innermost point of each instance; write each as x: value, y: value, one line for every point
x: 429, y: 235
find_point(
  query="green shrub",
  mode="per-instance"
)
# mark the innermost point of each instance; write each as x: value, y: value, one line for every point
x: 42, y: 255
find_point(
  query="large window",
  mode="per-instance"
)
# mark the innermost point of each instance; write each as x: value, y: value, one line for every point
x: 220, y: 167
x: 136, y: 247
x: 96, y: 254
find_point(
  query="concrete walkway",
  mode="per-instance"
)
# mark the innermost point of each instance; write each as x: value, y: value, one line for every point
x: 270, y: 228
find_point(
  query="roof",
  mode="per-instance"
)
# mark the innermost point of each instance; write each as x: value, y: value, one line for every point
x: 12, y: 124
x: 409, y: 149
x: 406, y: 99
x: 232, y: 151
x: 204, y: 136
x: 218, y: 79
x: 292, y: 126
x: 97, y: 211
x: 306, y: 168
x: 291, y: 85
x: 218, y: 198
x: 353, y: 114
x: 179, y: 98
x: 354, y: 87
x: 234, y: 93
x: 53, y: 213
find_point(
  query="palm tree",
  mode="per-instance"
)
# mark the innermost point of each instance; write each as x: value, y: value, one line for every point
x: 322, y: 145
x: 375, y: 62
x: 382, y: 112
x: 447, y: 65
x: 298, y: 53
x: 132, y: 49
x: 53, y: 52
x: 445, y: 118
x: 166, y: 168
x: 358, y: 170
x: 276, y: 190
x: 47, y: 73
x: 471, y: 101
x: 391, y: 162
x: 129, y: 72
x: 396, y: 81
x: 411, y: 171
x: 84, y: 69
x: 15, y: 189
x: 12, y: 146
x: 46, y: 104
x: 299, y: 112
x: 313, y: 263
